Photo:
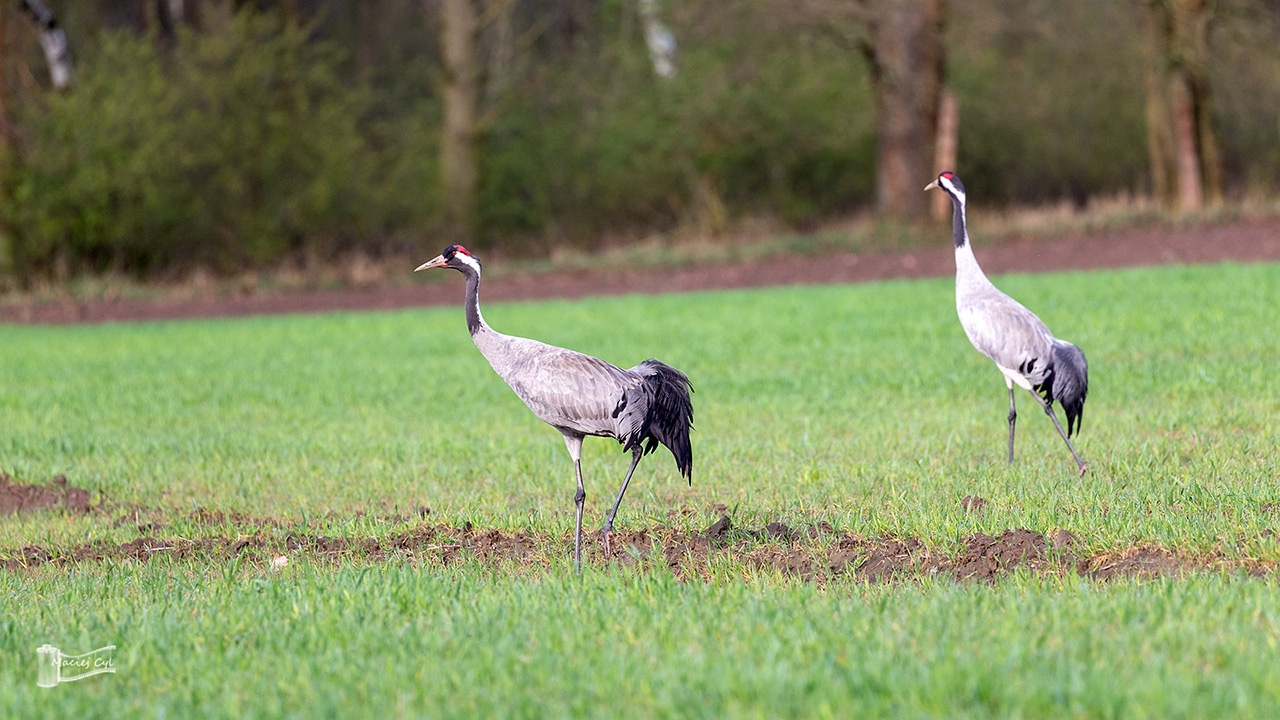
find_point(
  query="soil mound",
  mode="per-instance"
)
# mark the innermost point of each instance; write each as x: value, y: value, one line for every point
x: 15, y: 498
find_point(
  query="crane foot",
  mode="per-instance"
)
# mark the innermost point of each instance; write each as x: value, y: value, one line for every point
x: 606, y: 539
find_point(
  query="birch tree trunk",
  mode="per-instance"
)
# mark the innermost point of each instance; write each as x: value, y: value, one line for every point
x: 53, y: 41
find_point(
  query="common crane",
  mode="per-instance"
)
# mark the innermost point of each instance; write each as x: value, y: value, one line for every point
x: 580, y: 395
x: 1012, y: 336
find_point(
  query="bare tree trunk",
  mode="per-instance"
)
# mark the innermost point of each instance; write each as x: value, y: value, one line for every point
x: 904, y: 48
x: 164, y: 17
x: 948, y: 139
x: 1159, y: 142
x: 4, y: 108
x: 6, y: 244
x: 502, y: 56
x: 216, y: 14
x: 1198, y: 17
x: 1190, y: 189
x: 1186, y: 164
x: 149, y: 12
x: 289, y: 11
x: 459, y: 163
x: 365, y: 16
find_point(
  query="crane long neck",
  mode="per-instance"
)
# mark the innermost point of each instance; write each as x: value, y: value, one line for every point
x: 968, y: 273
x: 475, y: 321
x: 958, y: 233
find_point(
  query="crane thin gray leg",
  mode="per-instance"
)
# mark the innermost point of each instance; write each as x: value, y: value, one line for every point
x: 578, y: 499
x: 574, y: 444
x: 1049, y: 409
x: 1013, y: 415
x: 606, y: 535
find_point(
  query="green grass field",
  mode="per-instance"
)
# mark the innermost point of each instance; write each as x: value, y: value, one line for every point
x: 861, y: 406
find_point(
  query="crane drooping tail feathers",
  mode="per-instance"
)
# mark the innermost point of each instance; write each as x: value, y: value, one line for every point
x: 1067, y: 382
x: 669, y: 415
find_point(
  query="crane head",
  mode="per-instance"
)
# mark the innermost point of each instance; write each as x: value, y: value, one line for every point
x: 949, y: 183
x: 454, y: 256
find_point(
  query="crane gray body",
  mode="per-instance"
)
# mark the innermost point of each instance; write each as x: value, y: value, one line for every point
x: 573, y: 392
x: 1013, y: 337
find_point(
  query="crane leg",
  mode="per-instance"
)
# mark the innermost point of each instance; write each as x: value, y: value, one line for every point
x: 1049, y: 410
x: 1013, y: 415
x: 578, y: 499
x: 575, y: 451
x: 606, y: 535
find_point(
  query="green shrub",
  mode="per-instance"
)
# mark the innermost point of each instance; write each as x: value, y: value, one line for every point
x: 238, y: 147
x: 597, y: 143
x: 228, y: 150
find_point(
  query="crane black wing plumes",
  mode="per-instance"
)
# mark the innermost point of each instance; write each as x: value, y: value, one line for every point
x: 668, y: 414
x: 1067, y: 383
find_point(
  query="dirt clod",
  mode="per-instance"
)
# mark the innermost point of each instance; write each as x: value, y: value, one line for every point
x: 774, y: 531
x: 718, y: 529
x: 1142, y: 562
x: 972, y: 504
x: 986, y: 557
x: 15, y: 498
x: 1063, y: 540
x: 820, y: 530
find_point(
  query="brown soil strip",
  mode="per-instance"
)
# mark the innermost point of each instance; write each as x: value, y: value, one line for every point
x: 814, y: 553
x: 16, y: 498
x: 1247, y: 241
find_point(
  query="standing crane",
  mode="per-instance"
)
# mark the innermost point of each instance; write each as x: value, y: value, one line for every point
x: 1017, y: 341
x: 580, y: 395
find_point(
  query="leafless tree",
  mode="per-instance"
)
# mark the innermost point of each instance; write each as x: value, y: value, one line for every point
x: 478, y: 47
x: 904, y: 49
x: 1186, y: 164
x: 901, y: 41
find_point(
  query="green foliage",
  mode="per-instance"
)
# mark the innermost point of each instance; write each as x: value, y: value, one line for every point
x: 398, y: 642
x: 238, y: 146
x: 229, y: 149
x: 1051, y: 99
x: 601, y: 143
x: 1245, y: 93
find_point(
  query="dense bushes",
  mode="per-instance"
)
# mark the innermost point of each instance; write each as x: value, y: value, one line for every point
x: 228, y: 149
x: 784, y: 130
x: 262, y: 140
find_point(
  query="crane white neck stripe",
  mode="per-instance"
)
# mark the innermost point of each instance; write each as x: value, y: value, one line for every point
x: 475, y: 319
x: 469, y: 261
x: 951, y: 188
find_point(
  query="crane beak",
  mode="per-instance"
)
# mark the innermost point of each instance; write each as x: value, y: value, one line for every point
x: 931, y: 185
x: 439, y: 261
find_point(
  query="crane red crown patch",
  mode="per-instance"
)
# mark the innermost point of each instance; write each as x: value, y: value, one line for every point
x: 459, y: 248
x: 948, y: 175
